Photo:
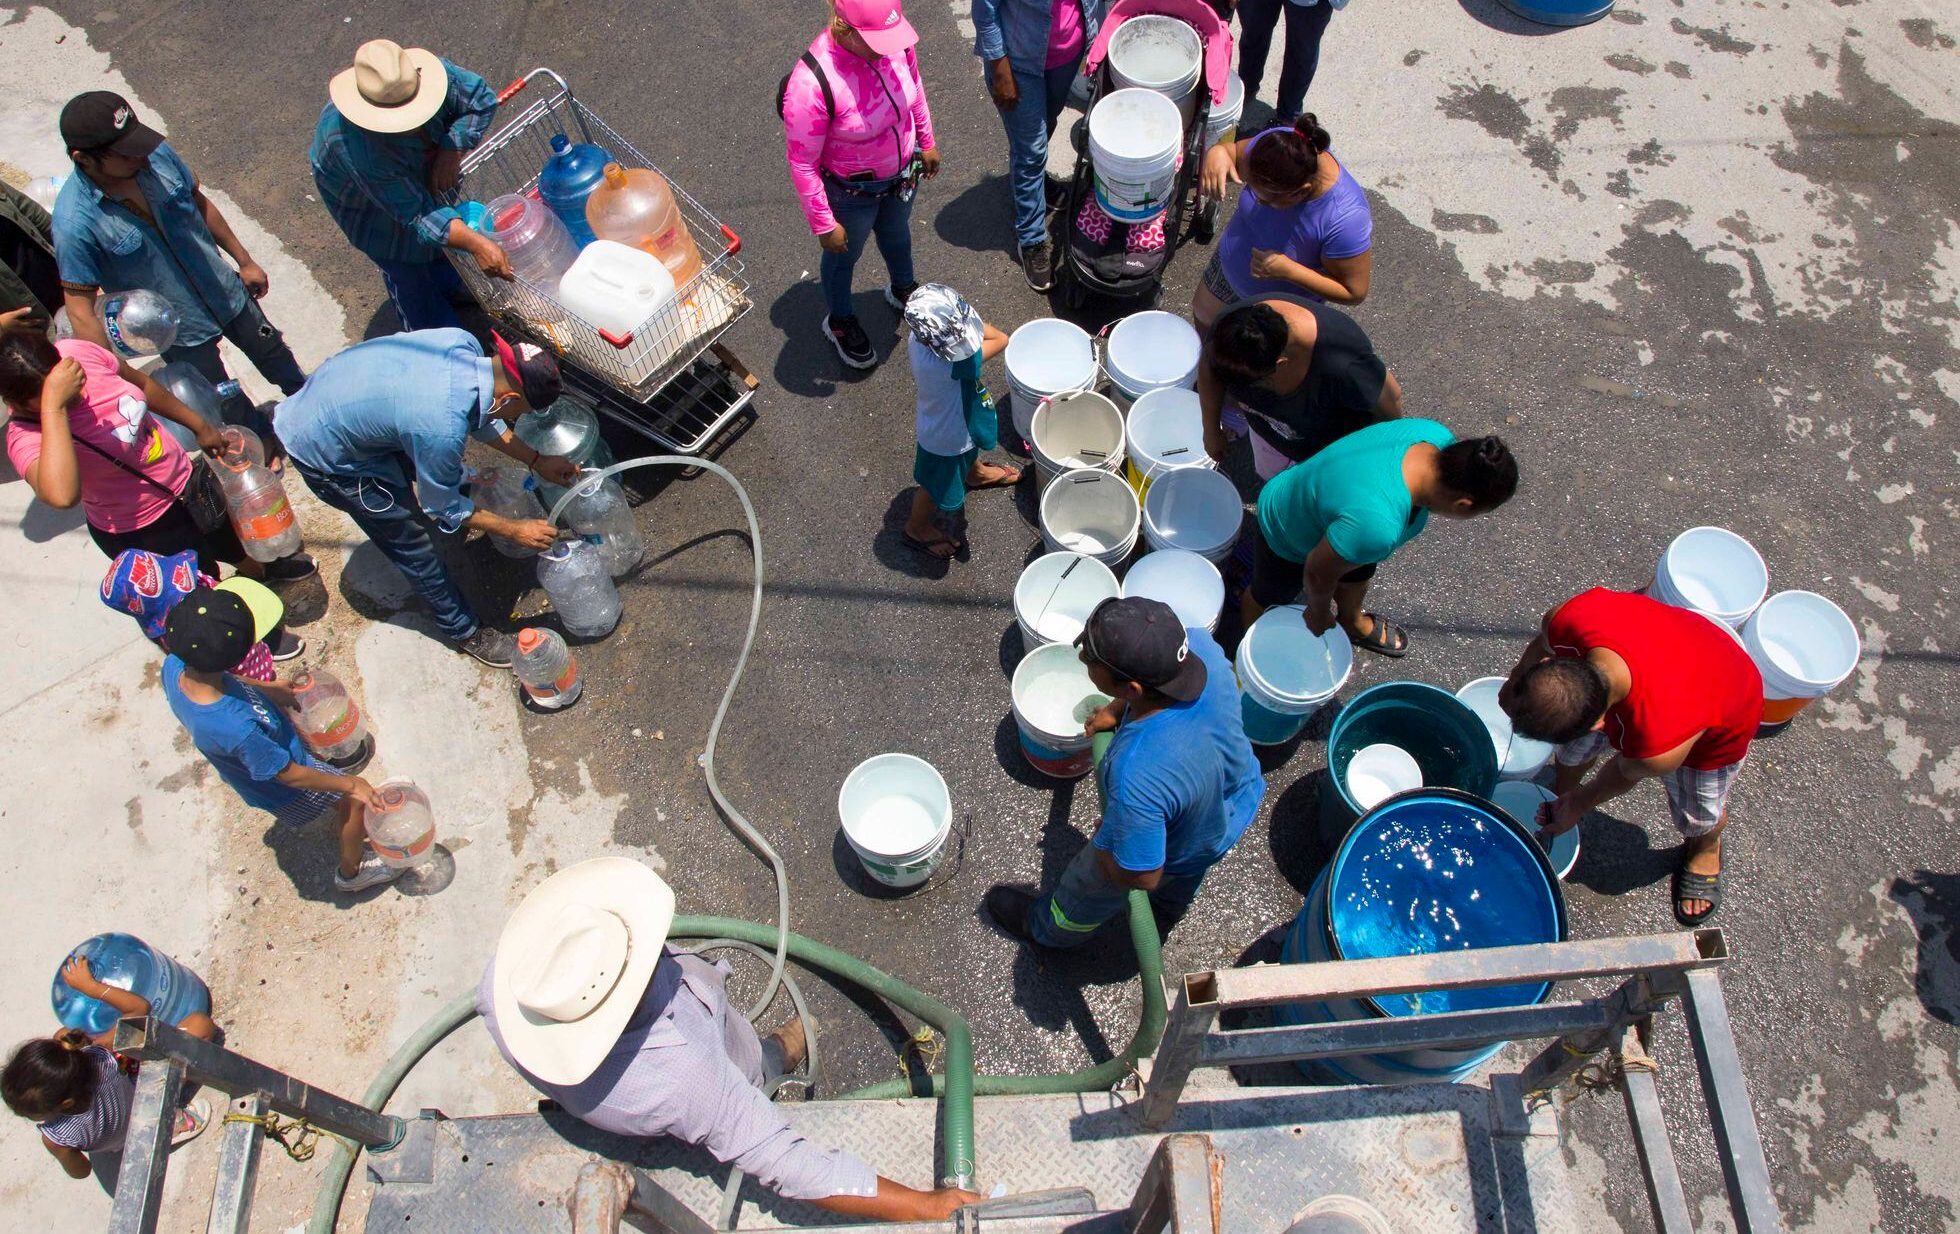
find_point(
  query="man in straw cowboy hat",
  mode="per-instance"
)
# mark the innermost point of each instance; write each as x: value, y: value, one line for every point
x: 387, y: 151
x: 588, y: 1003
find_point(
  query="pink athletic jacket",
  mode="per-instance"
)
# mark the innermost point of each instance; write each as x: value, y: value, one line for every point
x: 880, y: 118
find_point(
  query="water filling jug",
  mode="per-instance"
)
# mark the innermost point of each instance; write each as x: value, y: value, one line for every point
x: 635, y: 206
x: 260, y: 512
x: 568, y: 178
x: 546, y: 669
x: 502, y: 491
x: 574, y: 575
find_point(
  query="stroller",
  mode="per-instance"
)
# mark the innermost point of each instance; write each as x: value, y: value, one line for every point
x: 1100, y: 255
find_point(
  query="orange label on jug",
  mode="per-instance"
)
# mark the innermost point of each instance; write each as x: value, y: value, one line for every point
x: 272, y: 523
x: 339, y: 730
x: 564, y: 683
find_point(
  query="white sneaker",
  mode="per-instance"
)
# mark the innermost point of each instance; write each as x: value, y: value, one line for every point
x: 373, y: 873
x: 191, y: 1119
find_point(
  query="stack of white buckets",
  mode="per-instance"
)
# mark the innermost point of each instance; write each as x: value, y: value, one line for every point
x: 1136, y: 131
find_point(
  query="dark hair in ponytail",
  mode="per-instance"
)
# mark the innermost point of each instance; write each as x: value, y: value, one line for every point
x: 1480, y: 468
x: 1286, y: 159
x: 26, y: 358
x: 49, y: 1076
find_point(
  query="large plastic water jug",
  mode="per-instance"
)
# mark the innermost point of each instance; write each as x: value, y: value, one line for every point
x: 128, y: 963
x: 138, y: 323
x: 403, y: 830
x: 574, y: 575
x: 538, y: 246
x: 547, y: 669
x: 616, y: 287
x: 600, y: 513
x: 328, y: 718
x: 635, y: 206
x: 568, y: 430
x: 241, y: 442
x: 503, y: 492
x: 260, y: 512
x: 194, y: 391
x: 568, y: 178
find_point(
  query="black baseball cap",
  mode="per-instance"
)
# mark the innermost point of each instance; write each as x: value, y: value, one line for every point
x: 1143, y: 641
x: 210, y: 630
x: 103, y: 122
x: 532, y: 369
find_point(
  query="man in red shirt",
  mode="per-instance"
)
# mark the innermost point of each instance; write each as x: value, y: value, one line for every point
x: 1671, y: 691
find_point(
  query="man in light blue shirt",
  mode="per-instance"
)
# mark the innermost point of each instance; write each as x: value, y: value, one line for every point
x: 133, y: 216
x: 393, y: 412
x: 387, y: 155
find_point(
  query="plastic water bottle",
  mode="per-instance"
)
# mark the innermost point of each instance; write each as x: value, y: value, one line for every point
x: 574, y: 575
x: 568, y: 430
x: 568, y: 178
x: 60, y: 326
x: 599, y: 512
x: 328, y: 718
x: 139, y: 323
x: 636, y: 206
x: 45, y: 189
x: 547, y: 669
x: 194, y: 391
x: 403, y: 830
x: 539, y: 247
x: 260, y: 513
x: 503, y: 492
x: 241, y: 442
x: 128, y: 963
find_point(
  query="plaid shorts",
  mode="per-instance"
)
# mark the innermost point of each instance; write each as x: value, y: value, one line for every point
x: 1216, y: 283
x: 1696, y: 797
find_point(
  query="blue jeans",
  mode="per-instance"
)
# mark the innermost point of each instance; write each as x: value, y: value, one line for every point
x: 886, y: 217
x: 264, y: 346
x: 422, y: 292
x: 1304, y: 26
x: 1029, y: 126
x: 386, y: 511
x: 1083, y: 900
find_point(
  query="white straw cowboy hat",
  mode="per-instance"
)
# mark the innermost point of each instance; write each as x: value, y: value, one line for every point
x: 391, y: 88
x: 574, y: 961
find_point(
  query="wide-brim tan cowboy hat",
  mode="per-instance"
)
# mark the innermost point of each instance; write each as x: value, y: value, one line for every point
x: 390, y: 88
x: 573, y: 963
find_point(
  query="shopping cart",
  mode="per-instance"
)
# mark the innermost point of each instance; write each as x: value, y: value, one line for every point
x: 669, y: 377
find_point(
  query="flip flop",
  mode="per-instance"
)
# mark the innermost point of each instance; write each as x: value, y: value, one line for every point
x: 1386, y: 639
x: 1691, y: 886
x: 1012, y: 478
x: 930, y: 548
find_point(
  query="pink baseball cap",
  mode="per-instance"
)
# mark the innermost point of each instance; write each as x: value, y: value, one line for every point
x: 881, y: 23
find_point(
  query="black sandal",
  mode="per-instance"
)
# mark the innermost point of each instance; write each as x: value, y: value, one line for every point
x: 1386, y: 639
x: 1691, y: 886
x: 929, y: 548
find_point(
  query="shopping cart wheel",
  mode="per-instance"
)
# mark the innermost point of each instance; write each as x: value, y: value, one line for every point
x: 1078, y: 136
x: 1204, y: 222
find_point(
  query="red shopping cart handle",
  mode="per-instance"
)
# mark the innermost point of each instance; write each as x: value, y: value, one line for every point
x: 734, y: 241
x: 503, y: 95
x: 619, y: 341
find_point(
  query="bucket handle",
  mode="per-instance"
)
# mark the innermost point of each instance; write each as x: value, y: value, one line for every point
x: 1057, y: 588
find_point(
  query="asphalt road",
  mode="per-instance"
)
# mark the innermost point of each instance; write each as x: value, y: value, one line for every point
x: 1638, y: 309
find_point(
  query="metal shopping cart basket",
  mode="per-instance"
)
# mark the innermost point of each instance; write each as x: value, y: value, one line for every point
x: 669, y: 378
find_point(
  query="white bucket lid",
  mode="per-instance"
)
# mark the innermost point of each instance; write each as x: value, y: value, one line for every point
x: 1190, y: 584
x: 1049, y: 355
x: 1152, y: 349
x: 1288, y: 662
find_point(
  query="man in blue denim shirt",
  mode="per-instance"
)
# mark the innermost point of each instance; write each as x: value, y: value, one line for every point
x: 394, y: 411
x: 387, y: 151
x: 1032, y: 49
x: 133, y: 216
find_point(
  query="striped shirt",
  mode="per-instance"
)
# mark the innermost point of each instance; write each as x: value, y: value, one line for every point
x: 101, y: 1127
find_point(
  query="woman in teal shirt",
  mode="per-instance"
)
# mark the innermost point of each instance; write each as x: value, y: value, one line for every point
x: 1326, y: 523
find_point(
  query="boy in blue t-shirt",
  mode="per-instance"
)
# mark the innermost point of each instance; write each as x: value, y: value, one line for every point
x: 1179, y: 780
x: 243, y: 729
x: 956, y: 417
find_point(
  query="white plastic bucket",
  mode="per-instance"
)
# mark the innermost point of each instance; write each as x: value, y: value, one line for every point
x: 1076, y: 429
x: 1380, y: 771
x: 1161, y: 54
x: 1714, y: 571
x: 1053, y: 698
x: 1223, y: 121
x: 1055, y: 595
x: 1196, y: 509
x: 1518, y: 758
x: 1090, y: 512
x: 1521, y: 799
x: 1803, y: 645
x: 1135, y: 137
x: 1191, y: 585
x: 1286, y: 674
x: 896, y: 814
x: 1166, y: 431
x: 1147, y: 351
x: 1045, y: 357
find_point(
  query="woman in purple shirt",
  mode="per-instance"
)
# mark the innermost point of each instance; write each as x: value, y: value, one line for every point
x: 1302, y: 225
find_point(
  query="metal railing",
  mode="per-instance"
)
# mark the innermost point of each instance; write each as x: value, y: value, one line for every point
x: 1655, y: 970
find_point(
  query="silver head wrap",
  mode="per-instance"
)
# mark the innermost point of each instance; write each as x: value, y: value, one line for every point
x: 949, y: 326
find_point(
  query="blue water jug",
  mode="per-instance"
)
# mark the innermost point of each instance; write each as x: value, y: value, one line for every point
x: 128, y: 963
x: 568, y: 178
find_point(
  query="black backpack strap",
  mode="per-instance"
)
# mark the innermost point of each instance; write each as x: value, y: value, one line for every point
x: 823, y: 83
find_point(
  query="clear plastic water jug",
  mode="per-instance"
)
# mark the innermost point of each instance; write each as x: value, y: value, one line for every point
x: 574, y: 575
x: 328, y: 718
x: 538, y: 246
x: 241, y: 442
x: 547, y: 669
x: 260, y: 512
x: 567, y: 430
x: 599, y: 512
x: 568, y: 178
x: 616, y: 287
x: 403, y: 830
x: 127, y: 963
x: 139, y: 323
x: 194, y: 391
x: 635, y: 206
x: 504, y: 492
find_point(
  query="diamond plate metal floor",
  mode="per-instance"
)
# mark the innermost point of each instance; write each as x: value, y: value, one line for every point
x: 1425, y: 1157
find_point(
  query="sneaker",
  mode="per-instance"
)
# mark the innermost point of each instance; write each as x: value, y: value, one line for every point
x: 493, y: 647
x: 853, y: 346
x: 1038, y: 263
x: 897, y: 294
x: 289, y: 646
x: 373, y: 873
x: 1009, y: 907
x: 192, y: 1118
x: 291, y: 569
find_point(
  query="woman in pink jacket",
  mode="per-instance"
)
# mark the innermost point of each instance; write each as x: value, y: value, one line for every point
x: 859, y: 138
